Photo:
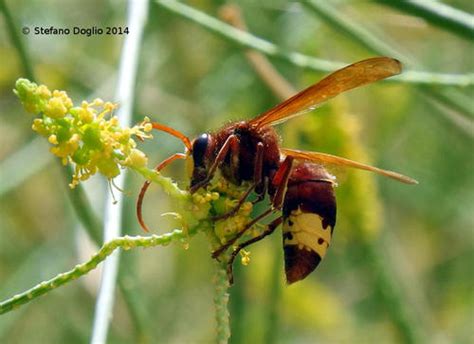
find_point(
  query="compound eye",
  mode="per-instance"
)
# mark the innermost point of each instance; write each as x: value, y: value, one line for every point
x: 199, y: 149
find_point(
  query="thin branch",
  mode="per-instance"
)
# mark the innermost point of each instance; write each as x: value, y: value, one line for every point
x: 250, y: 41
x: 17, y: 40
x: 137, y: 16
x: 352, y: 29
x: 437, y: 14
x: 107, y: 249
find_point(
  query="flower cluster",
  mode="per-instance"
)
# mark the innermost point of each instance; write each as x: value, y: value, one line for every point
x: 87, y: 136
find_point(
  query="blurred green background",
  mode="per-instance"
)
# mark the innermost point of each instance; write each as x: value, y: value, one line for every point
x: 400, y: 266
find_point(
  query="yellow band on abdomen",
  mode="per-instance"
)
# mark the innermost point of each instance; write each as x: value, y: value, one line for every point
x: 307, y: 232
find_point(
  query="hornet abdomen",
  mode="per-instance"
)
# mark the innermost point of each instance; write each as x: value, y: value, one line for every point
x: 309, y: 217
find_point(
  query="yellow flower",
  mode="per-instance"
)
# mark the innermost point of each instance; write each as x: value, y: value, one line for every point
x: 136, y: 159
x: 88, y: 136
x: 55, y: 108
x: 86, y: 114
x: 245, y: 257
x: 53, y: 139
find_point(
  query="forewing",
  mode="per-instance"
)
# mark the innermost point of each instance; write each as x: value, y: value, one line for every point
x: 347, y: 78
x: 323, y: 158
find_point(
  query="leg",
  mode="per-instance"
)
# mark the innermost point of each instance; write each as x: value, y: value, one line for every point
x: 258, y: 164
x: 270, y: 229
x: 231, y: 143
x: 145, y: 186
x: 280, y: 181
x: 225, y: 246
x: 257, y: 180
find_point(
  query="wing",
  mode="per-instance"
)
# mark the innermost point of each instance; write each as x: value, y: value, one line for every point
x: 347, y: 78
x: 324, y: 158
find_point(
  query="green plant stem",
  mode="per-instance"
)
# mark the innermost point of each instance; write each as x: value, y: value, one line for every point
x: 17, y: 40
x: 437, y: 14
x: 248, y: 40
x: 352, y: 29
x: 107, y: 249
x: 221, y: 300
